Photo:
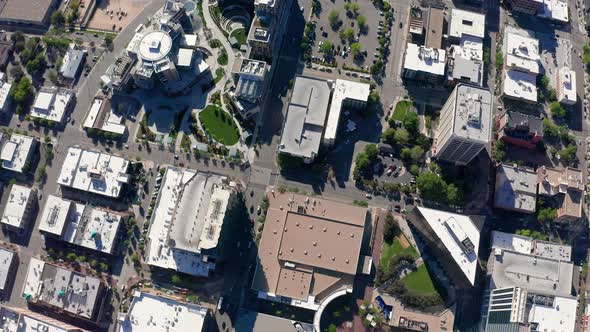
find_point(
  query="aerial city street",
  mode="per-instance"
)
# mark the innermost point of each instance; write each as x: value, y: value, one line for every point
x: 294, y: 165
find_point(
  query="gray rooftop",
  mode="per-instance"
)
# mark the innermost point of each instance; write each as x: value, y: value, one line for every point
x: 25, y: 10
x: 516, y: 188
x: 249, y: 321
x: 306, y: 117
x: 473, y: 112
x: 71, y: 63
x: 542, y: 275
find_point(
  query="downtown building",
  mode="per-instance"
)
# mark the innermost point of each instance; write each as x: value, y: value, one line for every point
x: 465, y: 125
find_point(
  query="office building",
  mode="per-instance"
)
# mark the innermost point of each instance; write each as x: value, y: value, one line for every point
x: 51, y: 104
x: 309, y: 252
x: 556, y: 10
x: 80, y: 224
x: 151, y: 313
x: 24, y: 320
x: 520, y: 129
x: 530, y: 7
x: 101, y: 116
x: 347, y: 95
x: 17, y: 153
x: 434, y: 28
x: 422, y: 63
x: 465, y: 63
x: 72, y: 64
x: 267, y: 29
x: 466, y: 23
x: 5, y: 99
x: 250, y: 76
x: 465, y: 125
x: 516, y: 188
x: 306, y: 118
x: 20, y: 208
x: 250, y: 321
x: 566, y: 86
x: 94, y: 172
x: 8, y: 268
x: 186, y: 226
x: 453, y: 239
x: 68, y: 292
x: 567, y: 187
x: 521, y: 66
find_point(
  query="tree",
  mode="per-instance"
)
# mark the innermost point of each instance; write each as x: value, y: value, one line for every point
x: 416, y: 153
x: 372, y: 151
x: 568, y: 154
x: 406, y: 153
x: 326, y: 48
x: 17, y: 73
x: 402, y: 136
x: 547, y: 215
x: 108, y: 39
x: 52, y: 75
x: 22, y: 93
x: 361, y: 20
x: 334, y: 18
x: 377, y: 67
x: 452, y: 194
x: 355, y: 7
x: 58, y: 18
x: 499, y: 153
x: 550, y: 129
x: 432, y: 186
x: 557, y: 110
x: 415, y: 169
x: 71, y: 257
x: 176, y: 279
x: 349, y: 34
x: 390, y: 229
x: 388, y: 136
x: 411, y: 122
x: 355, y: 49
x: 341, y: 34
x: 544, y: 81
x: 17, y: 36
x: 499, y: 59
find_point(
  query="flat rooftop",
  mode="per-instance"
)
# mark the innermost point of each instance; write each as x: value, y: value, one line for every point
x: 151, y: 313
x: 94, y: 172
x: 343, y: 90
x: 187, y: 220
x: 522, y: 46
x: 16, y: 152
x: 250, y: 321
x: 567, y: 88
x: 434, y: 27
x: 529, y: 246
x: 516, y: 188
x: 51, y: 106
x: 466, y: 23
x: 560, y: 316
x: 78, y: 294
x: 306, y: 117
x: 25, y: 320
x: 520, y: 85
x: 423, y: 59
x: 473, y: 113
x: 15, y: 211
x: 92, y: 228
x: 34, y: 11
x: 556, y: 10
x: 4, y: 93
x: 308, y: 245
x: 459, y: 235
x: 6, y: 259
x: 71, y: 63
x: 535, y: 273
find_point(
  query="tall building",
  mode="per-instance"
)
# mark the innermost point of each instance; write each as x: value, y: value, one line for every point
x: 531, y: 7
x: 465, y: 125
x: 268, y: 27
x: 453, y: 239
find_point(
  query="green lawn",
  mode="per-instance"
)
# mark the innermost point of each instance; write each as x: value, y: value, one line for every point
x: 401, y: 108
x: 240, y: 35
x: 390, y: 250
x: 419, y: 281
x: 219, y: 124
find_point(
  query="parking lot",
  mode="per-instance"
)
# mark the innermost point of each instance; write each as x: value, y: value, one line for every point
x: 367, y: 37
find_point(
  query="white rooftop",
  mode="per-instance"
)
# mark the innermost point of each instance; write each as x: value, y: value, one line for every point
x: 306, y: 116
x: 4, y: 94
x: 188, y: 40
x: 187, y: 220
x: 566, y: 92
x: 452, y: 228
x: 185, y: 57
x: 520, y: 85
x: 516, y: 188
x: 6, y: 258
x: 560, y: 317
x: 465, y: 22
x: 343, y: 90
x: 529, y: 246
x: 16, y: 152
x: 155, y: 46
x: 16, y: 206
x: 51, y: 106
x: 55, y: 215
x: 24, y: 320
x: 94, y: 172
x: 473, y: 113
x: 92, y: 115
x: 521, y: 52
x: 151, y: 313
x: 422, y: 59
x: 556, y: 10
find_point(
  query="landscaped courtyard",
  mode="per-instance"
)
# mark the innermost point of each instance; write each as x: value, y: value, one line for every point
x: 420, y: 282
x: 240, y: 35
x: 401, y: 108
x: 399, y: 246
x: 220, y: 125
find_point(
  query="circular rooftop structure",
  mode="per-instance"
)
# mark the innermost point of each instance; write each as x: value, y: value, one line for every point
x: 155, y: 46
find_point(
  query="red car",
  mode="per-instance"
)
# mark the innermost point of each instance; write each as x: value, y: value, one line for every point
x: 393, y: 168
